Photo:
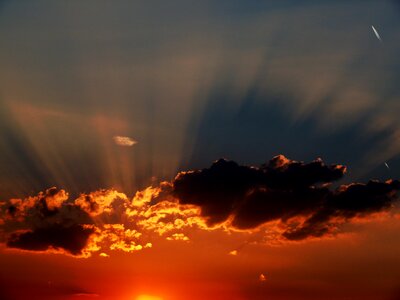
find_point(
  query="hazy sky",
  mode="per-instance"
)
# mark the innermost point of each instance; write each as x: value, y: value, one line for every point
x: 126, y: 94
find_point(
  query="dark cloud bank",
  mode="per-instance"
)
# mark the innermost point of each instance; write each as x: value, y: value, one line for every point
x: 298, y: 195
x: 71, y: 238
x: 281, y: 190
x: 45, y: 221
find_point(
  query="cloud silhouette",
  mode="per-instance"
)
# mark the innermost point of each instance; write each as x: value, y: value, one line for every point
x: 98, y: 222
x: 295, y: 193
x: 295, y: 197
x: 46, y: 221
x: 72, y: 239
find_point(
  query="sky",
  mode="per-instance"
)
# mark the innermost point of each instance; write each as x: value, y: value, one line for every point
x: 199, y: 149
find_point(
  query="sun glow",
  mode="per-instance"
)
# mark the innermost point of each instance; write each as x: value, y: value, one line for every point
x: 148, y: 297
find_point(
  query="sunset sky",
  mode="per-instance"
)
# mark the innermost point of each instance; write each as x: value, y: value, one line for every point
x: 173, y: 150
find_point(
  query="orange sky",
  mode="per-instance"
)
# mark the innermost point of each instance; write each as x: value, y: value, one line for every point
x: 359, y: 265
x: 174, y: 150
x: 169, y: 240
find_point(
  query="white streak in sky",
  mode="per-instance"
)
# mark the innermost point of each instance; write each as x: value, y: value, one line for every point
x: 376, y: 33
x: 387, y: 166
x: 124, y: 141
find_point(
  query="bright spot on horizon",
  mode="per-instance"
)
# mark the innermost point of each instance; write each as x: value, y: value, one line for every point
x: 125, y: 141
x: 148, y: 297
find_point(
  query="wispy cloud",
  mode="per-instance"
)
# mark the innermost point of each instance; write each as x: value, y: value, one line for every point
x: 124, y: 141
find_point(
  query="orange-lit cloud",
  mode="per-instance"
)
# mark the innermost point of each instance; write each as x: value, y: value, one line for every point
x: 98, y: 222
x: 124, y: 141
x: 283, y: 200
x: 233, y: 252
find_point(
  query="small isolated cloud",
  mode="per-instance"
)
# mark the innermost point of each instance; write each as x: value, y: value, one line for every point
x: 124, y: 141
x: 178, y: 237
x: 233, y: 253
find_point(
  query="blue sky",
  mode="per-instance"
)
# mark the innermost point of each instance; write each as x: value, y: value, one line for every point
x: 193, y: 82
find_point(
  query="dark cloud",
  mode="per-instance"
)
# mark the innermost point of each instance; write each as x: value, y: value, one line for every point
x: 46, y: 221
x: 346, y: 203
x: 53, y: 222
x: 264, y: 205
x: 295, y: 194
x: 281, y: 190
x: 217, y: 189
x: 72, y: 239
